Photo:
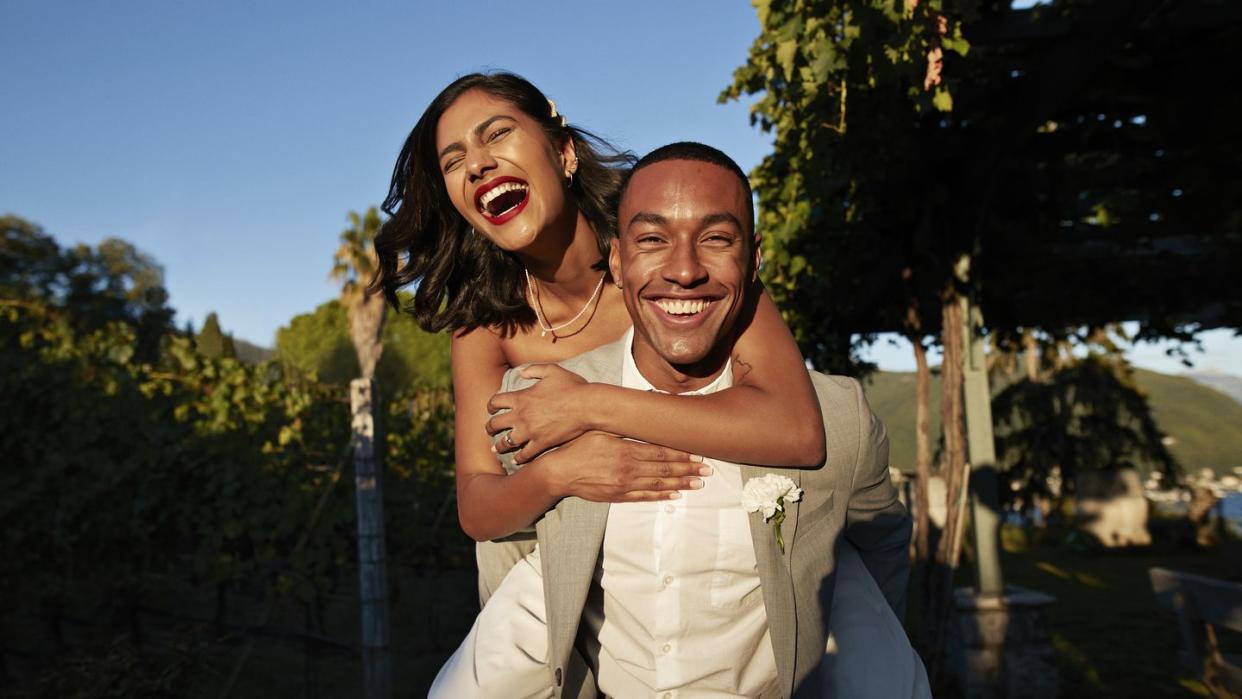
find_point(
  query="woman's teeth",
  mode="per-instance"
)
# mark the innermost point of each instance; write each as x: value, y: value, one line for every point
x: 492, y: 195
x: 681, y: 308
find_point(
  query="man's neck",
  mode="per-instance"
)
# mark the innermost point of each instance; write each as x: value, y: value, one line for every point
x: 677, y: 378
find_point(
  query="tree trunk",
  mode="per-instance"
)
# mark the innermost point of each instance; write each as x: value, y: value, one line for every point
x: 953, y: 470
x: 1030, y: 353
x: 922, y: 501
x: 366, y: 327
x: 951, y: 420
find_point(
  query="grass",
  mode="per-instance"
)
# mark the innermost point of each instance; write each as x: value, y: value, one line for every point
x: 1109, y: 637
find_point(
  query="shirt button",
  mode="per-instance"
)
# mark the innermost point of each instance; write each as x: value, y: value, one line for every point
x: 668, y: 647
x: 668, y: 695
x: 670, y: 509
x: 668, y: 580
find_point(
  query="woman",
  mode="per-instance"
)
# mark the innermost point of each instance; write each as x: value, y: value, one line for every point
x: 502, y: 212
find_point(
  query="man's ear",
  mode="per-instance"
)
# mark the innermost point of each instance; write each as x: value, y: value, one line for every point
x: 614, y: 261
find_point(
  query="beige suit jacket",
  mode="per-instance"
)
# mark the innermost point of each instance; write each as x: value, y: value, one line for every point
x: 848, y: 498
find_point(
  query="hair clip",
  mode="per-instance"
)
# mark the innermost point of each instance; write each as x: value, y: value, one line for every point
x: 554, y: 115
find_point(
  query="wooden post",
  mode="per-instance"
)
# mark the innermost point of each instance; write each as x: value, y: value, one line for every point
x: 367, y: 443
x: 985, y: 500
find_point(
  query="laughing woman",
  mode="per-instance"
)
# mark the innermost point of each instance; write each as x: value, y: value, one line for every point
x: 502, y: 213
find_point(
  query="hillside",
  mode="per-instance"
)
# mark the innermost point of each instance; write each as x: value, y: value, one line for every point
x: 1227, y: 384
x: 251, y: 353
x: 1205, y: 424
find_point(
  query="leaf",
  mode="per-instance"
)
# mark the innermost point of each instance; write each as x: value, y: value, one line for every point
x: 943, y: 101
x: 763, y: 9
x: 785, y: 52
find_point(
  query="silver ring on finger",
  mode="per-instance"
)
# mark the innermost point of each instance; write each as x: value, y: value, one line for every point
x: 509, y: 440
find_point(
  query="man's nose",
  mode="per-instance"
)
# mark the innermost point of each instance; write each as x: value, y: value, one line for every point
x: 684, y: 266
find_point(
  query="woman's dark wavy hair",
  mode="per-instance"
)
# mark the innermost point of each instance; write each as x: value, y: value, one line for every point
x: 465, y: 280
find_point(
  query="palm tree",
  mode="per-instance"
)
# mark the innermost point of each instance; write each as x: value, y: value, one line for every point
x: 353, y: 265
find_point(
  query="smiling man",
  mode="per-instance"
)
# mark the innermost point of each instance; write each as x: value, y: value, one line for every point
x: 685, y: 261
x: 694, y: 596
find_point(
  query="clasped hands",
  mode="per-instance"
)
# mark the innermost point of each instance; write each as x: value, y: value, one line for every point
x: 549, y: 422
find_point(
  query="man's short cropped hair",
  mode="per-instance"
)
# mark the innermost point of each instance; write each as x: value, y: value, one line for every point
x: 700, y: 152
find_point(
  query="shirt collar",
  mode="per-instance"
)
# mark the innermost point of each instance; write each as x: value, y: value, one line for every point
x: 631, y: 377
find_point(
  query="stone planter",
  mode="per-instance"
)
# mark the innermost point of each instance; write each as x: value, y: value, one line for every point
x: 1001, y: 646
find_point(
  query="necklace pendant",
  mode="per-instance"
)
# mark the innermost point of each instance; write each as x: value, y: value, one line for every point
x: 543, y: 333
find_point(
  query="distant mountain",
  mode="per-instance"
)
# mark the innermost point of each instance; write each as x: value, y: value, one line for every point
x: 1205, y: 424
x: 251, y: 353
x: 1227, y: 384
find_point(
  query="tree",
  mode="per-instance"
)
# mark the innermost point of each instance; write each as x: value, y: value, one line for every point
x: 114, y: 282
x: 319, y: 342
x: 353, y: 266
x: 932, y: 158
x: 212, y: 342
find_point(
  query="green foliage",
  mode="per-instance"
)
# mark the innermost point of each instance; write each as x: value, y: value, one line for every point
x: 133, y: 471
x: 212, y: 342
x: 128, y: 471
x: 354, y: 262
x: 1061, y: 149
x: 318, y: 344
x: 114, y: 282
x: 1086, y: 416
x: 841, y: 85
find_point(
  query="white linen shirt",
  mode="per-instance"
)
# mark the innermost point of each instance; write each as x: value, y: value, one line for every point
x: 676, y: 606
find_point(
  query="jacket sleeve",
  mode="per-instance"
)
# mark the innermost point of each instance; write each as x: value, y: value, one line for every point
x: 496, y: 558
x: 877, y: 524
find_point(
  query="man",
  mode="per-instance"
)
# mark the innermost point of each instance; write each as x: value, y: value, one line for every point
x: 694, y: 595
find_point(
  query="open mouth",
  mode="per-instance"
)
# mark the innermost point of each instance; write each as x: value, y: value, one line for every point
x: 502, y: 198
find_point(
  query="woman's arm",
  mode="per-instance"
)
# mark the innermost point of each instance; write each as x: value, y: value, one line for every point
x: 770, y: 416
x: 604, y: 468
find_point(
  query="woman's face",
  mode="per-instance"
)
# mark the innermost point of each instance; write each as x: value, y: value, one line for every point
x: 502, y: 174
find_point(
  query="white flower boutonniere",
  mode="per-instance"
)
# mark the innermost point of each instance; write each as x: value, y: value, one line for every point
x: 769, y: 495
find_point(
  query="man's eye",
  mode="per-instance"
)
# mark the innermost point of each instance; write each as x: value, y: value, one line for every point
x: 498, y: 134
x: 651, y: 238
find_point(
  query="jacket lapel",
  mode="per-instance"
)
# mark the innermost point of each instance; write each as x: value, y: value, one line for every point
x: 577, y: 528
x: 571, y: 536
x: 774, y: 575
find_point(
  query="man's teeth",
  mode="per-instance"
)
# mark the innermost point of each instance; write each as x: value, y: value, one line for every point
x: 491, y: 194
x: 681, y: 308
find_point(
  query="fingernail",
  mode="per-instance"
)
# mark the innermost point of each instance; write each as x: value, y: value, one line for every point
x: 705, y: 471
x: 695, y: 457
x: 493, y: 448
x: 674, y: 495
x: 696, y: 483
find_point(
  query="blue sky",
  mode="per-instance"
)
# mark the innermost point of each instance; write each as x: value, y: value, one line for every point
x: 230, y: 139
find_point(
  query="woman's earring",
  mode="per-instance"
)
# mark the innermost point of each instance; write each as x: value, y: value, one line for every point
x: 571, y: 180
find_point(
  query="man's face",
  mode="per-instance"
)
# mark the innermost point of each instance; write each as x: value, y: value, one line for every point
x: 685, y: 261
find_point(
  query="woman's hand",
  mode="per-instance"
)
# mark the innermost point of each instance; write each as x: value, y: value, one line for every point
x: 545, y: 415
x: 605, y: 468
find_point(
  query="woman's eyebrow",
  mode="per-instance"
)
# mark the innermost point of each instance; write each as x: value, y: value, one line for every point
x: 478, y: 130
